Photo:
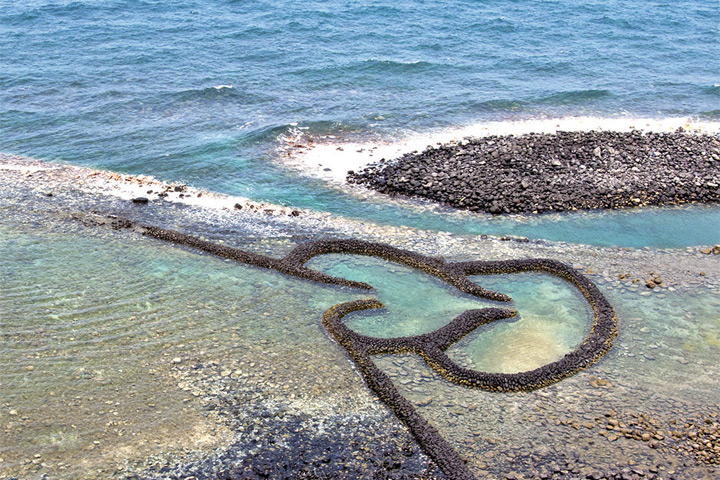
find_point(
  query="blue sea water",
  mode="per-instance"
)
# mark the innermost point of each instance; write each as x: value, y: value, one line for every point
x: 200, y: 92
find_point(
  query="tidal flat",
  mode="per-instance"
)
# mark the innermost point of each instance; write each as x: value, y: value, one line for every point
x: 126, y: 357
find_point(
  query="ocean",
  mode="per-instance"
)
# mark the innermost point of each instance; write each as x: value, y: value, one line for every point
x: 273, y: 101
x: 205, y: 92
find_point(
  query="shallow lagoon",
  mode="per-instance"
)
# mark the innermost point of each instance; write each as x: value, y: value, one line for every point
x: 165, y: 356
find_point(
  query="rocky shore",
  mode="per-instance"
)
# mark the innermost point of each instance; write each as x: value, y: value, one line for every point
x: 564, y: 171
x: 277, y: 398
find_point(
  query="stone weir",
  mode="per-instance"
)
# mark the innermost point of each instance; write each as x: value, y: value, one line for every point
x: 430, y: 346
x: 564, y: 171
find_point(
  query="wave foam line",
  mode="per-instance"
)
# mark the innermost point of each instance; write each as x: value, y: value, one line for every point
x: 330, y: 158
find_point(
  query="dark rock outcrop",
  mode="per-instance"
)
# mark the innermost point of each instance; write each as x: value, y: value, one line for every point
x: 537, y: 173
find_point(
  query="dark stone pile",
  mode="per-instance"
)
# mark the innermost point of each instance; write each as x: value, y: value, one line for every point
x: 537, y: 173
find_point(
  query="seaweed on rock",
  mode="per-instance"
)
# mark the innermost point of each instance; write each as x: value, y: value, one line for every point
x: 430, y: 346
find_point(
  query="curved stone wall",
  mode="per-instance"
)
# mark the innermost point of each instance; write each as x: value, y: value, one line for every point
x: 430, y: 346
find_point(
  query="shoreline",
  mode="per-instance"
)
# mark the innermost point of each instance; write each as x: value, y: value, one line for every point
x: 62, y: 185
x: 139, y: 189
x: 396, y: 214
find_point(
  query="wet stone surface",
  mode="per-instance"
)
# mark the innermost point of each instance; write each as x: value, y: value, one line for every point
x: 562, y: 431
x: 287, y: 436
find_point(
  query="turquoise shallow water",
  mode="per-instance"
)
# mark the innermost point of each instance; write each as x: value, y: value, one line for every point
x: 200, y: 92
x: 430, y: 305
x: 553, y: 320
